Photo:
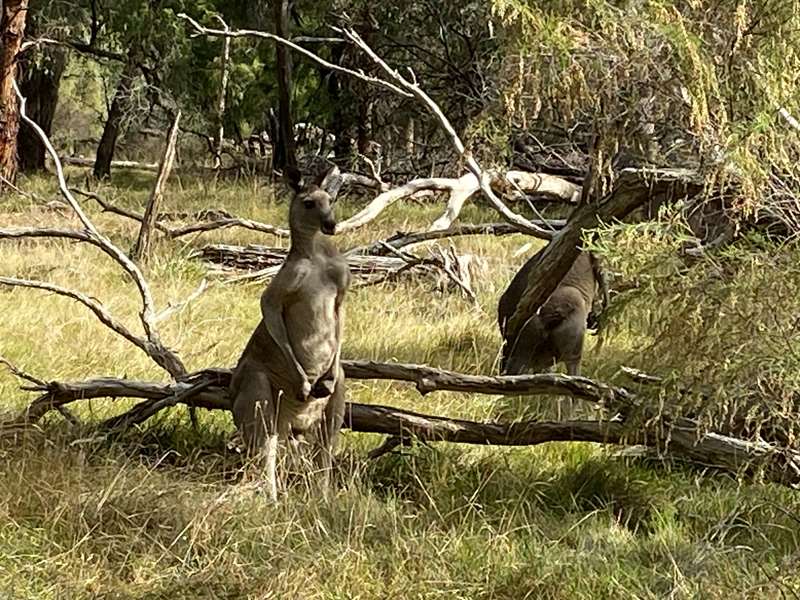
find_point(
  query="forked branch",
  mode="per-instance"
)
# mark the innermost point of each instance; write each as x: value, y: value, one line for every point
x: 162, y: 355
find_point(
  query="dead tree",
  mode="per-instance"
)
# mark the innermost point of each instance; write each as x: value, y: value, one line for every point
x: 142, y: 247
x: 223, y: 91
x: 12, y: 29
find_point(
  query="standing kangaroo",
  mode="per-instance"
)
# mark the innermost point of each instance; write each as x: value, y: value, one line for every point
x: 555, y: 332
x: 289, y: 378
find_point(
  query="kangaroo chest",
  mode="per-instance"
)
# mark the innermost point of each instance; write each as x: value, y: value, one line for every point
x: 311, y: 316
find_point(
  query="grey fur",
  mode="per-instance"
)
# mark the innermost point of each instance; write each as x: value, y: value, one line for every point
x: 289, y: 379
x: 556, y: 332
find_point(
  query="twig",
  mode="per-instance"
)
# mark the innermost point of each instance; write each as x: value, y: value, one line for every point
x: 176, y: 308
x: 22, y: 374
x: 204, y: 226
x: 640, y: 376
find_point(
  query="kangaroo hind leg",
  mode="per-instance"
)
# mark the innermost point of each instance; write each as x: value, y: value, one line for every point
x: 255, y: 413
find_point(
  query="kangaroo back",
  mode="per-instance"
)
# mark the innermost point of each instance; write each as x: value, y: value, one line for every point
x: 556, y: 331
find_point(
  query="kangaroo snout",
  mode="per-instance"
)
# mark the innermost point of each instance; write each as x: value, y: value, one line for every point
x: 328, y: 225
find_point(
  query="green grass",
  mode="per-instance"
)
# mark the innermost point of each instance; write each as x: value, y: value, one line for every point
x: 158, y: 513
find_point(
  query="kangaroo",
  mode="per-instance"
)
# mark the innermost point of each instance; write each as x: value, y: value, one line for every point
x: 555, y: 333
x: 289, y: 379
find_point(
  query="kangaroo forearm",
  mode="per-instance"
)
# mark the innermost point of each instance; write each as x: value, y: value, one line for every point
x: 277, y: 330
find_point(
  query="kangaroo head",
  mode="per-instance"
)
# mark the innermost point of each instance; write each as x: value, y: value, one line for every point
x: 312, y: 205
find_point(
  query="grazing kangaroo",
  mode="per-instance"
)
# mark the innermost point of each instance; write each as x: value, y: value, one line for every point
x: 289, y: 379
x: 555, y: 333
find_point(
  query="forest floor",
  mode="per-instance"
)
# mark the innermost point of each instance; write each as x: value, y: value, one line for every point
x: 159, y: 513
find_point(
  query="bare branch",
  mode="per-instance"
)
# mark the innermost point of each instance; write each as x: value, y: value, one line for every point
x: 223, y: 90
x: 200, y: 30
x: 789, y: 118
x: 142, y: 247
x: 96, y: 307
x: 226, y: 223
x: 22, y: 374
x: 389, y: 197
x: 405, y: 240
x: 16, y: 233
x: 162, y: 355
x: 176, y: 308
x: 217, y: 223
x: 483, y: 179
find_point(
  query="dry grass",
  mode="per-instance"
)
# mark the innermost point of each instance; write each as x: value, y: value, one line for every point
x: 159, y: 514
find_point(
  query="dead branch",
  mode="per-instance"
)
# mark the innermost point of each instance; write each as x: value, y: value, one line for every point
x: 262, y: 263
x: 352, y: 179
x: 217, y: 222
x: 483, y: 179
x: 200, y: 30
x: 411, y: 239
x: 18, y: 233
x: 683, y: 438
x: 463, y: 188
x: 226, y: 223
x: 98, y: 309
x: 223, y: 90
x: 176, y: 308
x: 108, y: 207
x: 79, y: 161
x: 160, y: 354
x: 389, y: 197
x: 141, y: 249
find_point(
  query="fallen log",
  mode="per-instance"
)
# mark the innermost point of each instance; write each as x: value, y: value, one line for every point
x: 514, y: 183
x: 262, y: 262
x: 79, y: 161
x: 685, y: 438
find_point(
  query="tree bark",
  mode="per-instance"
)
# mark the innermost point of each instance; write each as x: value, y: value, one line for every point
x: 108, y: 141
x: 223, y: 90
x: 283, y: 152
x: 12, y: 29
x: 142, y: 248
x: 341, y: 118
x: 39, y: 84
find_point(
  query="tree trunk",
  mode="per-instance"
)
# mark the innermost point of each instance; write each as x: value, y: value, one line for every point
x: 39, y: 83
x: 341, y: 116
x: 108, y: 141
x: 223, y: 90
x: 283, y: 151
x: 141, y: 250
x: 12, y: 29
x: 365, y: 108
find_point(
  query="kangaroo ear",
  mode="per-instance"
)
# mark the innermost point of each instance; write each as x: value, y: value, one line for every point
x: 331, y: 181
x: 293, y: 178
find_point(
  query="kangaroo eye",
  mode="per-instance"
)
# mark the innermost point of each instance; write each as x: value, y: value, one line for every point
x: 308, y: 203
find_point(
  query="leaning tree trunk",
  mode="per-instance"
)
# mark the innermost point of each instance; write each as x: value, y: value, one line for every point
x: 39, y: 83
x: 283, y: 152
x: 108, y: 141
x: 12, y: 28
